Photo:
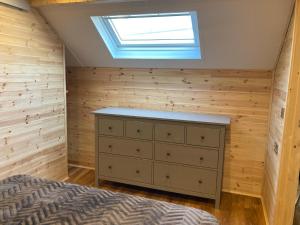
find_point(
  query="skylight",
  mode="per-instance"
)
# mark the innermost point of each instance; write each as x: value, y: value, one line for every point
x: 150, y: 36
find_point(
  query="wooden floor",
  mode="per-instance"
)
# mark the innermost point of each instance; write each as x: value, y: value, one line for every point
x: 234, y: 210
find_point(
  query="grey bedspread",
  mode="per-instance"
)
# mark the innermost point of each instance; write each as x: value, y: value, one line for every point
x: 29, y: 200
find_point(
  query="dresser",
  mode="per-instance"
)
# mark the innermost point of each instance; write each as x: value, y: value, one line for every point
x: 170, y: 151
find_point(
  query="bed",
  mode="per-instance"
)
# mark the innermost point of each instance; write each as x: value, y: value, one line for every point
x: 30, y: 200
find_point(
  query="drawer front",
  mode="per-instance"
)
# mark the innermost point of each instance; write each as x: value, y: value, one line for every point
x: 185, y: 178
x: 112, y: 127
x: 186, y: 155
x: 169, y: 133
x: 142, y: 149
x: 138, y: 170
x: 139, y: 129
x: 203, y: 136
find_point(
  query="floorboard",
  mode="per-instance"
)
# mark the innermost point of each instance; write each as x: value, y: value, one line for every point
x: 234, y: 209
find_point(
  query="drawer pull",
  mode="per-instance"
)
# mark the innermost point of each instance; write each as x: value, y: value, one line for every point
x: 168, y: 154
x: 138, y: 150
x: 110, y: 128
x: 110, y: 146
x: 138, y: 131
x: 201, y: 158
x: 137, y: 172
x: 110, y: 167
x: 167, y: 177
x: 202, y: 137
x: 200, y: 181
x: 169, y: 134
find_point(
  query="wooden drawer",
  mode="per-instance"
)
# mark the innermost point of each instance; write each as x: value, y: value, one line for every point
x: 186, y: 155
x: 111, y: 126
x: 142, y: 149
x: 138, y: 170
x: 139, y: 129
x: 185, y: 178
x: 203, y: 136
x: 169, y: 132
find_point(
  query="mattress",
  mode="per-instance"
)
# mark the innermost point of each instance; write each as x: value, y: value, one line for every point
x: 30, y: 200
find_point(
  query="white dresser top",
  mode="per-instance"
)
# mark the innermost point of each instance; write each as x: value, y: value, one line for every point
x: 163, y: 115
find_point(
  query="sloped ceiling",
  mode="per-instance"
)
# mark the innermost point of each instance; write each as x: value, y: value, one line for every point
x: 234, y: 34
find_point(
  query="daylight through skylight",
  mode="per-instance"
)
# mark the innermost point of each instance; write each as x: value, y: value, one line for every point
x: 151, y: 36
x: 154, y: 29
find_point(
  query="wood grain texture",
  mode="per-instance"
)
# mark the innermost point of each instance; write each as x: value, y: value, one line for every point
x: 234, y: 210
x: 290, y: 157
x: 244, y: 96
x: 20, y: 4
x: 37, y: 3
x: 32, y: 97
x: 279, y: 100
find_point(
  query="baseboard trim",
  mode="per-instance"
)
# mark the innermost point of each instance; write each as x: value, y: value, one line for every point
x: 241, y: 193
x: 65, y: 179
x: 80, y: 166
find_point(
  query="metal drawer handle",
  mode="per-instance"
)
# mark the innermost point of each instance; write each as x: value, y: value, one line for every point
x: 110, y: 146
x: 110, y: 128
x: 168, y: 154
x: 169, y: 134
x: 138, y: 150
x: 137, y: 171
x: 200, y: 181
x: 201, y: 158
x: 110, y: 167
x: 167, y: 177
x: 138, y: 131
x: 202, y: 137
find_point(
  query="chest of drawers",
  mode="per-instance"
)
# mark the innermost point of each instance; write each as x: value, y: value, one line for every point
x: 170, y: 151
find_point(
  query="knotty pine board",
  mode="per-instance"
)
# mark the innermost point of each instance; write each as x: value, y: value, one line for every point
x: 242, y: 95
x: 32, y: 97
x: 279, y: 100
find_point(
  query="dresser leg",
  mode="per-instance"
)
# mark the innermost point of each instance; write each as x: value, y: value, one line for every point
x: 97, y: 183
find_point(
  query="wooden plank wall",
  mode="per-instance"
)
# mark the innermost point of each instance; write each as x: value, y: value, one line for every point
x: 242, y: 95
x: 32, y: 97
x: 279, y: 100
x: 290, y: 153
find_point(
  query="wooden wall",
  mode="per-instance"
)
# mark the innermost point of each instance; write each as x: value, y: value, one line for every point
x: 32, y: 97
x: 243, y: 95
x: 288, y: 182
x: 279, y: 99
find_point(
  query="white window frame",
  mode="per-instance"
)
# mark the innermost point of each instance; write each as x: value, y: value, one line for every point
x: 147, y: 51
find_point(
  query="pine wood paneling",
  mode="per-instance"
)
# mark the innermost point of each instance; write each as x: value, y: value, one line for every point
x: 283, y: 177
x: 20, y: 4
x: 38, y: 3
x: 279, y: 99
x: 290, y: 157
x: 242, y: 95
x: 32, y: 97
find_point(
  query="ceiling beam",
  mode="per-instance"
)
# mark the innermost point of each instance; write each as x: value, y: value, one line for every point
x: 37, y: 3
x: 19, y: 4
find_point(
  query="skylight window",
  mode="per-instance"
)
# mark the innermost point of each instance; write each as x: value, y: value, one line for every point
x: 151, y: 36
